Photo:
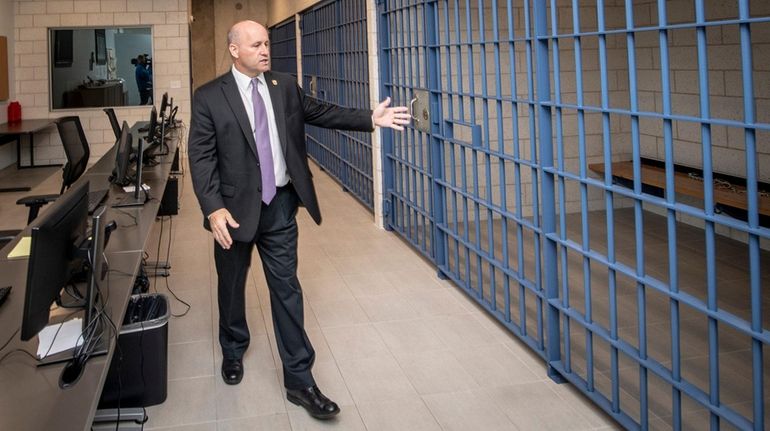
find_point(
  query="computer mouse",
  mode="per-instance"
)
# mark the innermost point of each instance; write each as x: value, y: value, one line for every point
x: 72, y: 372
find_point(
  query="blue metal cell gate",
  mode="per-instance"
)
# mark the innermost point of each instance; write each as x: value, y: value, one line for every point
x: 591, y: 175
x: 283, y: 47
x: 335, y: 68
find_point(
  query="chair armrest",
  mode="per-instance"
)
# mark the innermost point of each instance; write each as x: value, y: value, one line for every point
x: 36, y: 200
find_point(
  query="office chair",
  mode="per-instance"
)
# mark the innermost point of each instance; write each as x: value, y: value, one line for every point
x: 113, y: 121
x: 77, y: 152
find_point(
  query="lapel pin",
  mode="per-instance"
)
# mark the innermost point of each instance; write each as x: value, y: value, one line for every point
x: 275, y: 82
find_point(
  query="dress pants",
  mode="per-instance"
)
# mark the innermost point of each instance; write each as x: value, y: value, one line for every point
x: 276, y: 242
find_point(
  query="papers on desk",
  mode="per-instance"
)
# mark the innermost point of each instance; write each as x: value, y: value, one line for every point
x: 60, y: 337
x: 130, y: 188
x: 21, y: 249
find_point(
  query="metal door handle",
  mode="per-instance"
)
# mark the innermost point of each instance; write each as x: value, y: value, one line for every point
x: 411, y: 110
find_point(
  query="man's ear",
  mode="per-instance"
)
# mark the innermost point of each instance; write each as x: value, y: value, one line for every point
x: 233, y: 48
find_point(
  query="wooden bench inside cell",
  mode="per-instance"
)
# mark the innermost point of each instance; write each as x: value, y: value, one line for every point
x: 691, y: 184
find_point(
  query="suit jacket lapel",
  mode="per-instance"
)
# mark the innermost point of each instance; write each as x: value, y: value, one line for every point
x: 234, y: 100
x: 276, y: 96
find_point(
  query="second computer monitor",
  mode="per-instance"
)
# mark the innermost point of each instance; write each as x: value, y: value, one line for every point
x: 57, y: 236
x: 154, y: 140
x: 96, y: 263
x: 163, y: 106
x: 121, y: 171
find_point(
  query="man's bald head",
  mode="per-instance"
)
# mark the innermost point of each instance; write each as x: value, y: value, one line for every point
x: 234, y: 34
x: 249, y: 46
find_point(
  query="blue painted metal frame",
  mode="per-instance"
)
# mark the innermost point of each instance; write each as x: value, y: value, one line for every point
x: 283, y: 47
x: 444, y: 165
x: 514, y: 254
x: 408, y: 157
x: 335, y: 52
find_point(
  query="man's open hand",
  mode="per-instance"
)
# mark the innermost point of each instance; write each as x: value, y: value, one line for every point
x: 394, y: 117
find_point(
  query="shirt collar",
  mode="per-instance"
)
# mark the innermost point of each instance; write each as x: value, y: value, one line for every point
x: 244, y: 81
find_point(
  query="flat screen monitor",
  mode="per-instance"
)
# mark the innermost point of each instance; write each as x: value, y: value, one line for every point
x: 96, y: 263
x: 120, y: 172
x: 57, y: 236
x: 172, y: 117
x: 140, y: 195
x: 153, y: 128
x: 153, y: 139
x: 163, y: 106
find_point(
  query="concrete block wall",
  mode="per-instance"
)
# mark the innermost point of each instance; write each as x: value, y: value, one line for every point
x: 32, y: 19
x: 725, y: 84
x: 725, y: 91
x: 374, y: 96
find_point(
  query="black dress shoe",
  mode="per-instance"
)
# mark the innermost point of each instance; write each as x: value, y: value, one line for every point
x: 312, y: 400
x: 232, y: 371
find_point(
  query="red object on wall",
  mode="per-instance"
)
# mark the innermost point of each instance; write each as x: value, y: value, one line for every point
x: 14, y: 112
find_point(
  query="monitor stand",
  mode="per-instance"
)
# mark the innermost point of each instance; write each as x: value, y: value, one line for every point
x: 131, y: 199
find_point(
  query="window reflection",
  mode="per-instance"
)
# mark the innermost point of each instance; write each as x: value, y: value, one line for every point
x: 100, y: 67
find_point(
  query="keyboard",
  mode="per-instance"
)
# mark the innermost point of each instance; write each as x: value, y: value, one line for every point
x: 4, y: 293
x: 95, y: 197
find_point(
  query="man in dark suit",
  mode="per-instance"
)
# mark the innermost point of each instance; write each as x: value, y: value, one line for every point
x: 250, y: 173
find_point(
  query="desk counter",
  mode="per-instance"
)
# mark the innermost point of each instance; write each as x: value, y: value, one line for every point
x: 31, y: 398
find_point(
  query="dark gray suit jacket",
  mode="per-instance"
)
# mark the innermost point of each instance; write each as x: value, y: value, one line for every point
x: 223, y: 154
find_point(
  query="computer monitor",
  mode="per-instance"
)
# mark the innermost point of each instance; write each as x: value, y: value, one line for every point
x: 163, y: 106
x: 97, y: 264
x: 54, y: 257
x: 170, y: 108
x: 120, y: 172
x: 172, y: 117
x: 153, y: 128
x: 93, y: 339
x: 154, y: 138
x: 140, y: 195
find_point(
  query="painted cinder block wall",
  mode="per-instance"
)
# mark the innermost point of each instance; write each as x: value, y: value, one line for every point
x: 31, y: 21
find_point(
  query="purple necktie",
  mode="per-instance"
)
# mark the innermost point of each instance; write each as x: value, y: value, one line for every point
x: 262, y: 137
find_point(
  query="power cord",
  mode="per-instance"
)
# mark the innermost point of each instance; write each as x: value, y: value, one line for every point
x: 168, y: 259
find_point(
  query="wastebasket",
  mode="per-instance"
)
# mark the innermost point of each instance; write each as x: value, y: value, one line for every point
x: 138, y: 375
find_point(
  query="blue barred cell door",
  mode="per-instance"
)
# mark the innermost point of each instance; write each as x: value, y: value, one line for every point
x: 462, y: 184
x: 335, y: 68
x: 283, y: 47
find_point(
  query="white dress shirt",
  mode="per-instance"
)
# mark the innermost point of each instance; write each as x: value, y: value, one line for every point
x: 244, y: 87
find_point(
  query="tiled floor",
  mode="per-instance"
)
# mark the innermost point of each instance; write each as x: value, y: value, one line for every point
x: 400, y: 349
x: 396, y: 347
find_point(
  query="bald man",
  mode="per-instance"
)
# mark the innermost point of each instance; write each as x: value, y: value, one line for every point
x: 250, y: 173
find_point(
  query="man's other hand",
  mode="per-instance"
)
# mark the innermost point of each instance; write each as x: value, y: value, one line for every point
x: 394, y: 117
x: 219, y: 220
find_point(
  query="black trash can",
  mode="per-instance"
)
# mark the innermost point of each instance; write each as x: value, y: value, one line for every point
x: 138, y: 375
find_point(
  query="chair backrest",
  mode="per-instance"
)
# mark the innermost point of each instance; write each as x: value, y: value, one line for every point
x: 75, y: 147
x: 113, y: 121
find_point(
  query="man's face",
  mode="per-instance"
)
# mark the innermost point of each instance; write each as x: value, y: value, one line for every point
x: 251, y: 52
